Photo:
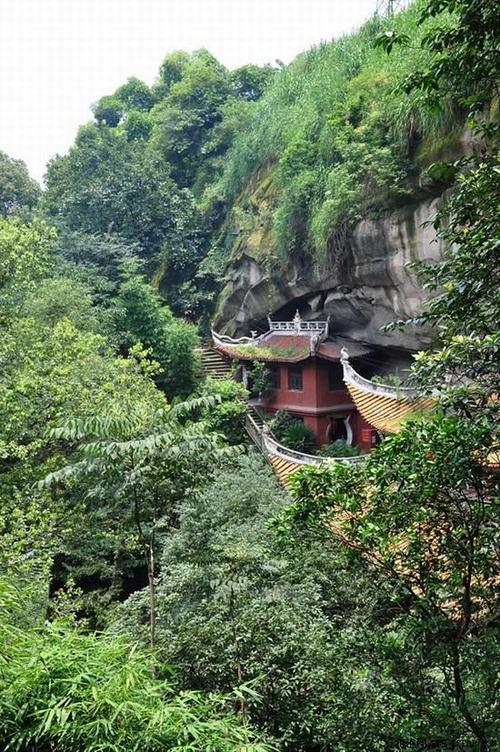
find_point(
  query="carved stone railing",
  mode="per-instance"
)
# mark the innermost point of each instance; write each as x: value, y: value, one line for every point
x: 273, y: 447
x: 222, y: 339
x: 294, y: 327
x: 297, y: 326
x: 267, y: 444
x: 384, y: 390
x: 255, y: 433
x: 282, y: 326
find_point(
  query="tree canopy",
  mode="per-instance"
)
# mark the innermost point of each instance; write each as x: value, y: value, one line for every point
x: 17, y: 189
x: 159, y: 589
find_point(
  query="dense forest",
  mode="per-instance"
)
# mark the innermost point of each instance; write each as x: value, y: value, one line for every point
x: 159, y: 590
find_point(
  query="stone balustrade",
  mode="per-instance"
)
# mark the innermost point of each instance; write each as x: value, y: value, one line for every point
x: 267, y: 444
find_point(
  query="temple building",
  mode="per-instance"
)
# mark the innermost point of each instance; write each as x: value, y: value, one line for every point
x: 306, y: 368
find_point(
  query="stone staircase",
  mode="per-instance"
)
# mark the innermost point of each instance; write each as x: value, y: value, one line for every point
x: 256, y: 415
x: 283, y: 460
x: 214, y: 364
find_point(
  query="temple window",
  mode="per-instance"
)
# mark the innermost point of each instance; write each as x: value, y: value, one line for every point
x: 275, y: 377
x: 295, y: 381
x: 335, y: 377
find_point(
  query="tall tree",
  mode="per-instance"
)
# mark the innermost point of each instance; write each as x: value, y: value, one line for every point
x: 424, y: 508
x: 25, y: 256
x: 189, y: 111
x: 423, y: 512
x: 250, y: 81
x: 17, y: 189
x: 107, y: 184
x: 141, y: 472
x: 141, y: 316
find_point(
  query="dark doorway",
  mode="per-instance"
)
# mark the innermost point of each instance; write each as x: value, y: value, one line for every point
x: 338, y: 430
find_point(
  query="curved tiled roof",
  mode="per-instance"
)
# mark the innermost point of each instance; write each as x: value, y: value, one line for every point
x: 277, y: 348
x: 283, y: 469
x: 386, y: 413
x: 331, y: 348
x: 384, y: 407
x: 289, y: 348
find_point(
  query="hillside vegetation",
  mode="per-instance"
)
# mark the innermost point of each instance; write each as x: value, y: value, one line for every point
x: 340, y: 139
x: 305, y: 150
x: 158, y: 589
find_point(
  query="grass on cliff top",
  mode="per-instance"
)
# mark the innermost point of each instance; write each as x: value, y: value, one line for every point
x: 341, y: 136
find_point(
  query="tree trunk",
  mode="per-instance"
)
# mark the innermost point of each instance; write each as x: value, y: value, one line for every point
x: 150, y: 558
x: 241, y: 705
x: 460, y: 700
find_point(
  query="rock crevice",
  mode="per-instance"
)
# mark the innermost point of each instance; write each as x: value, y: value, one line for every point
x: 364, y: 286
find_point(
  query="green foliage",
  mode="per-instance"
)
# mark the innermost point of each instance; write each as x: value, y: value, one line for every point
x: 340, y: 134
x: 465, y: 305
x: 305, y: 627
x: 292, y: 432
x: 334, y: 129
x: 17, y: 189
x: 197, y: 88
x: 59, y: 298
x: 138, y: 125
x: 66, y: 689
x: 298, y: 436
x: 99, y: 187
x: 136, y: 472
x: 290, y: 220
x: 423, y: 511
x: 141, y: 316
x: 377, y: 640
x: 392, y: 379
x: 280, y: 422
x: 28, y: 541
x: 55, y: 367
x: 250, y: 81
x: 171, y: 71
x: 49, y: 372
x: 135, y: 95
x: 25, y: 255
x: 465, y: 302
x: 94, y: 261
x: 463, y: 60
x: 103, y: 255
x: 108, y: 110
x: 227, y: 416
x: 339, y: 448
x: 260, y: 377
x: 54, y: 373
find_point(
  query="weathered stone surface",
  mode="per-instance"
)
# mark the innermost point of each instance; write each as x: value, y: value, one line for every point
x: 364, y: 287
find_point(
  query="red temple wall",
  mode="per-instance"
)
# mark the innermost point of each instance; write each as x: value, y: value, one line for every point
x: 315, y: 393
x: 316, y: 403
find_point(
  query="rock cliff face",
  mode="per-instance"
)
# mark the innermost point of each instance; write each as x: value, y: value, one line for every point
x: 364, y: 285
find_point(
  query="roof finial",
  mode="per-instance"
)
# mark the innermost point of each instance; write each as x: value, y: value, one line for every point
x: 297, y: 320
x: 344, y: 356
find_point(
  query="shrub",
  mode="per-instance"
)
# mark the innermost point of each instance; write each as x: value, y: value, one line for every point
x: 292, y: 432
x: 339, y: 448
x: 227, y: 417
x: 281, y: 421
x: 260, y: 376
x: 299, y: 437
x: 64, y: 689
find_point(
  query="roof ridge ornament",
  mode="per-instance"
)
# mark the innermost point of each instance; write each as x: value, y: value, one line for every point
x: 315, y: 342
